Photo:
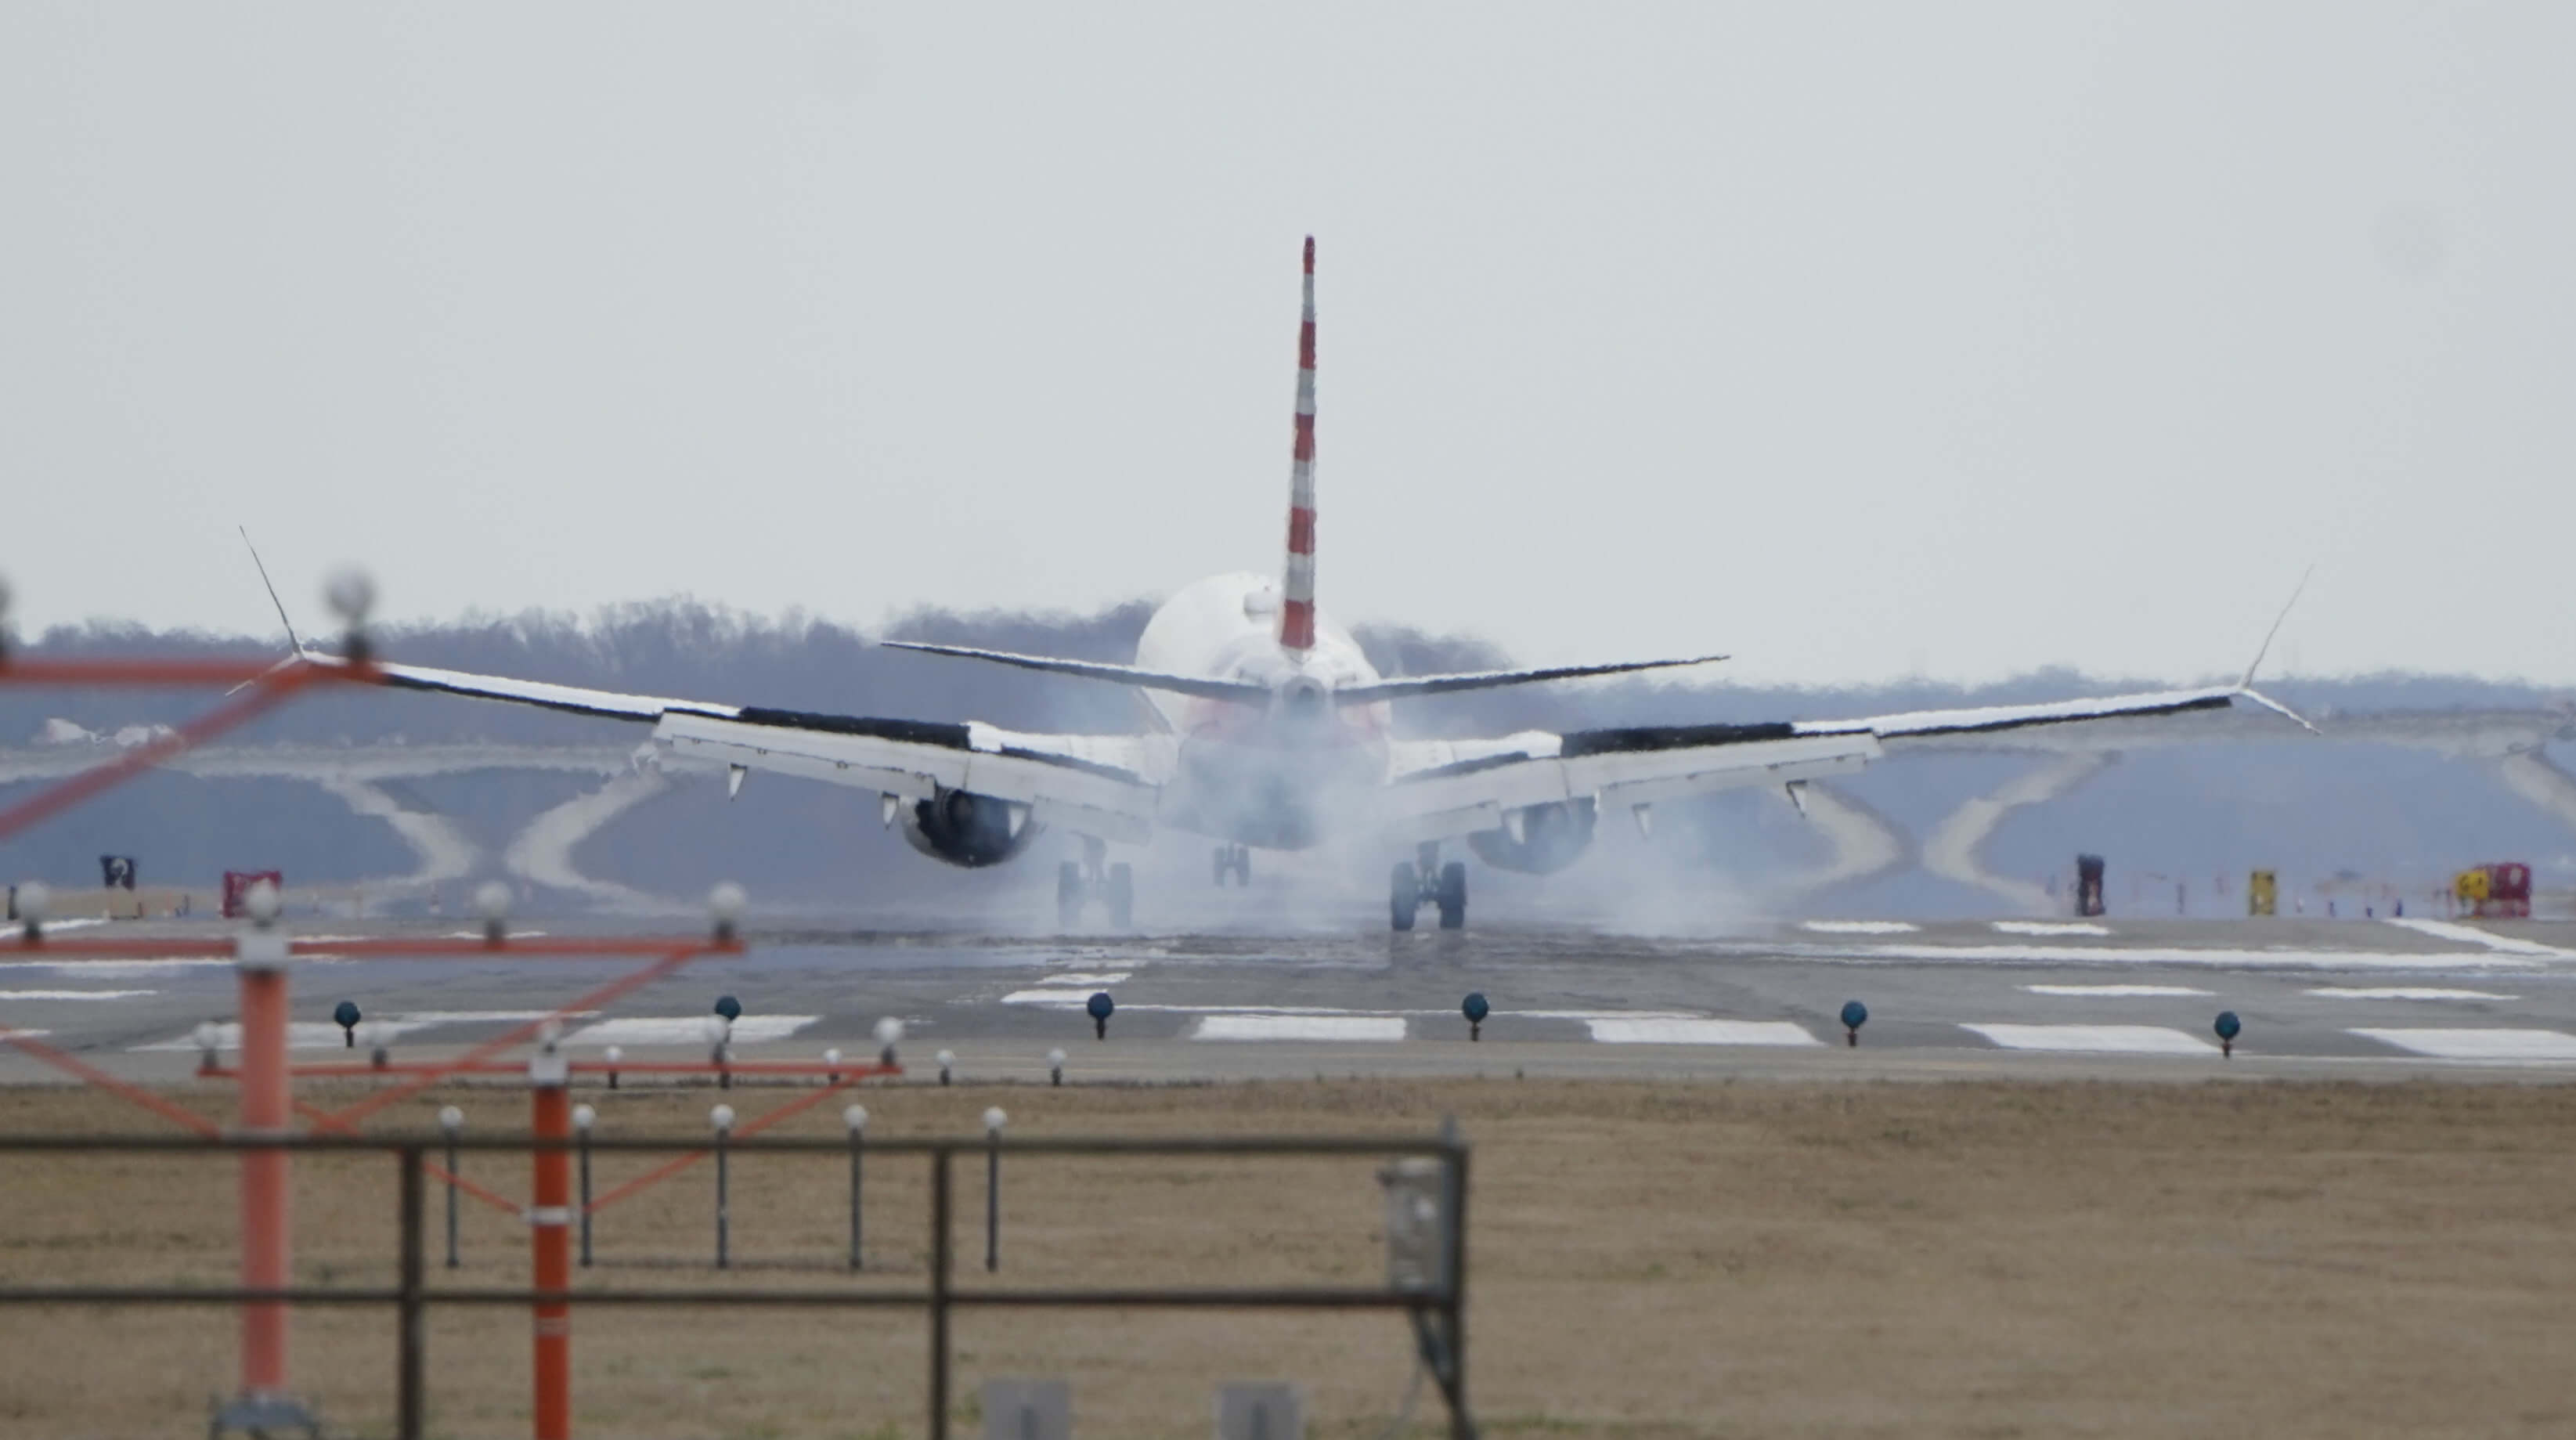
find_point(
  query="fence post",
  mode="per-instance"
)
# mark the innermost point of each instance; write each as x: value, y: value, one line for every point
x: 451, y: 1120
x: 993, y: 1122
x: 939, y: 1259
x: 856, y: 1117
x: 722, y: 1118
x: 1454, y: 1293
x: 549, y: 1086
x: 583, y: 1117
x: 410, y: 1340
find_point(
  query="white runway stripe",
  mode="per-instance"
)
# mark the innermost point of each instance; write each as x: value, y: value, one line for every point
x: 1105, y: 977
x: 1859, y: 927
x: 2050, y: 927
x: 1672, y: 1030
x: 300, y: 1035
x: 2340, y: 992
x: 686, y: 1030
x: 2234, y: 958
x: 2116, y: 992
x: 2480, y: 1044
x: 73, y: 994
x: 114, y: 969
x: 2445, y: 930
x: 1299, y: 1027
x: 2095, y: 1039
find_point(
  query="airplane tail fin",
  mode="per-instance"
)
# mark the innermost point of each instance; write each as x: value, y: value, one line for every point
x: 1297, y: 593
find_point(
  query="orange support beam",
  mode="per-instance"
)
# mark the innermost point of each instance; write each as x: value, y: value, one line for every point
x: 550, y: 1235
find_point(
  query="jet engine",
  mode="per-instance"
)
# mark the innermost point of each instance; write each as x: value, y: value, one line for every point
x: 961, y: 827
x: 1537, y: 839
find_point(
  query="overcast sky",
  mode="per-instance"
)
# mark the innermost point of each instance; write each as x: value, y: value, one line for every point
x: 1858, y: 340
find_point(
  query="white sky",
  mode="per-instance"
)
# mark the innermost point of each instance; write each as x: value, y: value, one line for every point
x: 1855, y: 339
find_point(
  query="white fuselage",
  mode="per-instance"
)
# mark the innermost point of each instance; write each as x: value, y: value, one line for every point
x: 1269, y: 776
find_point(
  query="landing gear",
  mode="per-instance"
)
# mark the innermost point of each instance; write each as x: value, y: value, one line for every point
x: 1425, y: 881
x: 1078, y: 884
x: 1235, y: 860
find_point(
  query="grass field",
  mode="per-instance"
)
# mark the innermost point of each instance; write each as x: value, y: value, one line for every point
x: 2091, y: 1259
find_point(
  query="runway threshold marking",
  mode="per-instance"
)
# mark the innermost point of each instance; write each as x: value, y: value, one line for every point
x: 2446, y: 930
x: 685, y: 1030
x: 74, y: 994
x: 2232, y: 958
x: 2526, y: 1045
x: 1298, y: 1027
x: 2347, y: 992
x: 2095, y: 1039
x: 2116, y: 992
x: 300, y: 1035
x: 2050, y: 927
x: 1860, y: 927
x: 1676, y: 1030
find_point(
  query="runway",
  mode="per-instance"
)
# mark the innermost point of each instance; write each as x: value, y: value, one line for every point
x: 1996, y: 999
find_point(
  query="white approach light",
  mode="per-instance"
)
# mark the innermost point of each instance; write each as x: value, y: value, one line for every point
x: 35, y: 902
x: 721, y: 1118
x: 725, y: 904
x: 351, y: 595
x: 583, y: 1117
x: 856, y: 1117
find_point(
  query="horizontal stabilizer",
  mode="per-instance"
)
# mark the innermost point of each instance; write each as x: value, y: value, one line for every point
x: 1205, y: 687
x: 1411, y: 686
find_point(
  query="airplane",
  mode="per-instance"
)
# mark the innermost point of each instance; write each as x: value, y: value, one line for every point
x: 1270, y: 730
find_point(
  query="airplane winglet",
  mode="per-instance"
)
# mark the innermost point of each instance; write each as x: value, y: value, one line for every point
x: 2277, y: 708
x: 2266, y: 647
x: 292, y: 638
x: 2245, y: 683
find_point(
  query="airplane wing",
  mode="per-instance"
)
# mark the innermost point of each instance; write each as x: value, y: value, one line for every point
x: 1104, y: 785
x: 1446, y: 788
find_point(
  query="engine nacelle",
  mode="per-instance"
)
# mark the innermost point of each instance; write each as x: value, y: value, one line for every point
x: 964, y: 828
x: 1538, y: 839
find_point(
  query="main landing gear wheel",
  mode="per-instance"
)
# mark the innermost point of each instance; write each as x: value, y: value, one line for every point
x: 1077, y: 885
x: 1425, y: 881
x: 1451, y: 896
x: 1070, y: 892
x: 1122, y: 896
x: 1235, y: 860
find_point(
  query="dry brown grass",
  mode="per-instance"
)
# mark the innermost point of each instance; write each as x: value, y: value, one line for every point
x: 1649, y: 1260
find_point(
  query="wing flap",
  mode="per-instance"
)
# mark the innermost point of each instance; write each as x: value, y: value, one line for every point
x: 1095, y: 784
x: 1469, y: 795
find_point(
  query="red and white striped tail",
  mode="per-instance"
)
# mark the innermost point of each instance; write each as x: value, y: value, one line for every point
x: 1297, y: 597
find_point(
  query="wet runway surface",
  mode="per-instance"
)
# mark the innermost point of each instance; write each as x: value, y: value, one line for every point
x: 1996, y: 999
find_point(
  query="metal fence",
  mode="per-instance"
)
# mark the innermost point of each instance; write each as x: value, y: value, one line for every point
x: 1430, y: 1289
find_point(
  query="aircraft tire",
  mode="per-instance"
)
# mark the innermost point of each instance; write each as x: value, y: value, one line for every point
x: 1122, y: 896
x: 1452, y: 896
x: 1068, y: 895
x: 1404, y: 895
